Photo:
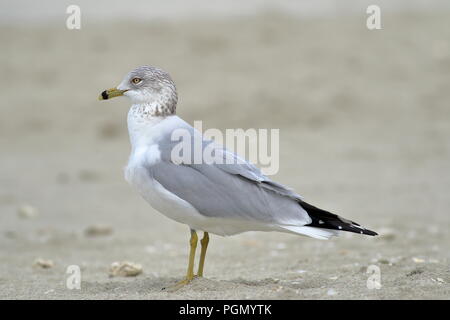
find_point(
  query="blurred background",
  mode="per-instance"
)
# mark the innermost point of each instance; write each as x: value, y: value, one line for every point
x: 364, y: 132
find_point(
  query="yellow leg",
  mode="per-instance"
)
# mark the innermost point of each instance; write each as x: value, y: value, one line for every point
x: 193, y: 243
x: 204, y: 242
x: 190, y: 271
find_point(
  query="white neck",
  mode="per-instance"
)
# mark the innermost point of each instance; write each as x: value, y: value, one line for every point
x: 141, y: 120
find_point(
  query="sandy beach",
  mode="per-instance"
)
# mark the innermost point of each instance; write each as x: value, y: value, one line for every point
x: 364, y: 132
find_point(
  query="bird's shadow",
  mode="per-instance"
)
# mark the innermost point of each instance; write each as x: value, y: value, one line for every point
x: 146, y: 285
x: 138, y: 285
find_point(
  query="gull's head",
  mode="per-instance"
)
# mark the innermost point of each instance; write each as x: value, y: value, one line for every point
x: 147, y: 85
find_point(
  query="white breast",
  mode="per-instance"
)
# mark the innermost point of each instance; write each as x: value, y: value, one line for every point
x: 144, y: 135
x: 160, y: 198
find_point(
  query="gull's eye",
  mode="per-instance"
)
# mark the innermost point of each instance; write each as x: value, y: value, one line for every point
x: 136, y: 80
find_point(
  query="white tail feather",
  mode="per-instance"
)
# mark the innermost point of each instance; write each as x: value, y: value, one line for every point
x: 318, y: 233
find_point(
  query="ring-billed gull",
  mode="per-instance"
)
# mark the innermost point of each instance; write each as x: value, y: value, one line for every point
x: 222, y: 198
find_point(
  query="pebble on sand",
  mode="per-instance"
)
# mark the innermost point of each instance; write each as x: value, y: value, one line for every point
x: 27, y: 212
x: 331, y: 292
x: 88, y: 176
x: 125, y: 269
x: 98, y: 230
x: 387, y: 234
x: 43, y: 263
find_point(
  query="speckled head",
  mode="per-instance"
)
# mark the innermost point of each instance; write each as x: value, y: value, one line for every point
x: 148, y: 86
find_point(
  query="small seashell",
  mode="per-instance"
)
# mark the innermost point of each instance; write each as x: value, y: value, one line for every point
x: 331, y: 292
x: 42, y: 263
x: 418, y: 260
x: 27, y: 212
x: 125, y: 269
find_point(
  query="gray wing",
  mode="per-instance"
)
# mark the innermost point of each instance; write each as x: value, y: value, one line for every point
x: 247, y: 170
x: 236, y: 190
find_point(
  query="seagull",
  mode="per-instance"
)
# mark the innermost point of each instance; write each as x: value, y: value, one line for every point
x: 220, y: 197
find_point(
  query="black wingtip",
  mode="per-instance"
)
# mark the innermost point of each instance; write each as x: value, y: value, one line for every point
x: 369, y: 232
x: 327, y: 220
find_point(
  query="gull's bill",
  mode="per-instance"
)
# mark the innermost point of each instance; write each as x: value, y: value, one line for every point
x: 111, y: 93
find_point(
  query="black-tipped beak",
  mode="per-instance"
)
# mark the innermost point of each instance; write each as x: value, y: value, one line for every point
x: 111, y: 93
